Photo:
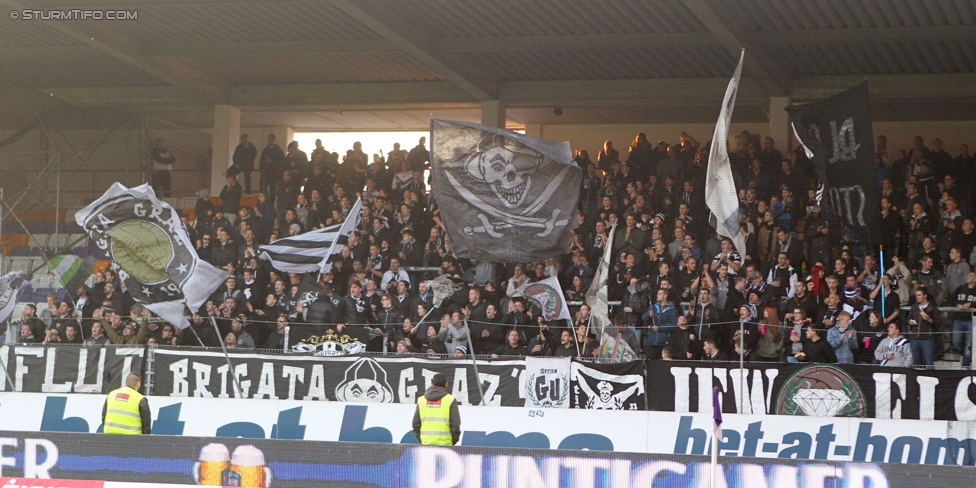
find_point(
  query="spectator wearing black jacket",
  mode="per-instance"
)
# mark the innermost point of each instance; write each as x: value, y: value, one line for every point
x: 243, y: 160
x: 276, y: 339
x: 816, y: 349
x: 200, y: 332
x: 871, y: 332
x: 224, y: 251
x: 358, y: 311
x: 271, y: 166
x: 231, y: 197
x: 512, y: 346
x: 388, y: 320
x: 489, y: 333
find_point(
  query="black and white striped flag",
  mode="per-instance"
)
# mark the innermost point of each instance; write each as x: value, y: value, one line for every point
x: 311, y: 251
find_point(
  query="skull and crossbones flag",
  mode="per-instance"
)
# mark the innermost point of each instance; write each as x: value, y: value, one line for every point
x: 504, y: 196
x: 836, y: 135
x: 154, y: 255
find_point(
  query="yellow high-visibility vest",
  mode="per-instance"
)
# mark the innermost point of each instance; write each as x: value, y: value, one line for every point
x: 122, y: 412
x: 435, y: 421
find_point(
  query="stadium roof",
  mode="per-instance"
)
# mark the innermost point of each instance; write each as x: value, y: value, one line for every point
x: 384, y: 64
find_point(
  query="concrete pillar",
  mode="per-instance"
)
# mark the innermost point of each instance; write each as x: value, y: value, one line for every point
x: 779, y: 124
x: 226, y: 136
x: 493, y: 114
x: 283, y: 135
x: 534, y: 130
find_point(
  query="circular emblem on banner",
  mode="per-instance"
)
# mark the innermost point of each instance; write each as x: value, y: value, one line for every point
x: 546, y: 298
x: 821, y: 391
x: 142, y: 249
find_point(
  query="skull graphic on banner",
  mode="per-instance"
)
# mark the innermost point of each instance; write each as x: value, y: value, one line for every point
x: 518, y: 191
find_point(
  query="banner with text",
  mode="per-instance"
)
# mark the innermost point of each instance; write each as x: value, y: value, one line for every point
x: 242, y: 461
x: 820, y: 390
x: 201, y: 373
x: 68, y: 369
x: 941, y: 442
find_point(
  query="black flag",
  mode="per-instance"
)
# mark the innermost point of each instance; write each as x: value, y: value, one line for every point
x: 837, y: 137
x: 504, y: 196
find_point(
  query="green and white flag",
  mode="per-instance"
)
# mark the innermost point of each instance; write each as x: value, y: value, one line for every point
x: 72, y: 271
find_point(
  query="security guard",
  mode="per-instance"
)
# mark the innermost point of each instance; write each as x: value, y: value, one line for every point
x: 126, y: 411
x: 437, y: 421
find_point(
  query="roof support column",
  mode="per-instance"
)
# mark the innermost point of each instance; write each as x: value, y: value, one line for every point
x: 226, y: 135
x: 779, y: 125
x: 493, y: 114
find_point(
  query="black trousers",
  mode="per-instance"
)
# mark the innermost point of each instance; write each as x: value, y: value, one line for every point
x: 162, y: 183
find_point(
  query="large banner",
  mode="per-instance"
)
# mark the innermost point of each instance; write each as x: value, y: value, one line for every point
x: 185, y: 373
x: 819, y: 390
x: 504, y: 196
x: 617, y: 386
x: 199, y: 373
x: 939, y: 442
x: 299, y: 464
x: 68, y: 369
x: 837, y: 136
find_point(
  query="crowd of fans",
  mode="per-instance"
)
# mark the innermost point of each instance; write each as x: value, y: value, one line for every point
x: 804, y: 289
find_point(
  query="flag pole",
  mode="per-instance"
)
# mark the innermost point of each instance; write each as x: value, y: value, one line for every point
x: 230, y: 367
x: 474, y: 362
x: 716, y: 434
x: 880, y: 280
x: 714, y: 461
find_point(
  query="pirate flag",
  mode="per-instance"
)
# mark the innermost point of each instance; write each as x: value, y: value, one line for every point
x: 836, y: 136
x: 504, y: 196
x: 148, y: 243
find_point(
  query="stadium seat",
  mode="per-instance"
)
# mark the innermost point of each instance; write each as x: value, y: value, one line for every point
x: 187, y: 203
x: 58, y: 242
x: 249, y: 202
x: 38, y: 240
x: 26, y: 294
x: 40, y: 296
x: 14, y: 240
x: 191, y: 214
x: 38, y: 265
x: 20, y: 251
x: 17, y: 264
x: 72, y: 227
